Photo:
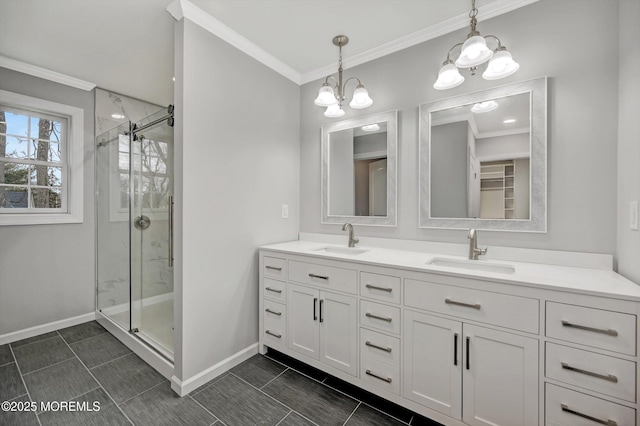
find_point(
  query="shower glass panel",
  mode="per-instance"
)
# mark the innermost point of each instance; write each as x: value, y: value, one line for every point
x: 134, y: 180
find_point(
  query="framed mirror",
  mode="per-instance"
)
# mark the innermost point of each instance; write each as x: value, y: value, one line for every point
x: 483, y: 159
x: 359, y: 163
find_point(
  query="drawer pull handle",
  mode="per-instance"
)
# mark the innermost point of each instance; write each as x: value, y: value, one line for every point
x: 607, y: 422
x: 273, y: 312
x: 273, y: 290
x: 274, y: 268
x: 467, y: 305
x: 368, y: 343
x: 608, y: 377
x: 321, y: 303
x: 374, y: 287
x: 455, y: 348
x: 369, y: 373
x: 322, y: 277
x: 315, y: 303
x: 608, y: 332
x: 274, y: 334
x: 377, y: 317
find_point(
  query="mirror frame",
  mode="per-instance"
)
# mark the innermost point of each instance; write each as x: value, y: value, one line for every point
x: 391, y: 118
x: 537, y: 221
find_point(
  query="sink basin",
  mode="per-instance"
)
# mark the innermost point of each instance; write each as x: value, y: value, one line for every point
x: 349, y: 251
x: 472, y: 265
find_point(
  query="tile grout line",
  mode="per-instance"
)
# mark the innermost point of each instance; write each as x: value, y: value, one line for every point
x: 97, y: 381
x: 281, y: 373
x: 261, y: 391
x: 352, y: 413
x: 32, y: 343
x: 2, y: 365
x: 209, y: 383
x: 388, y: 414
x: 411, y: 419
x: 16, y: 397
x: 285, y: 416
x: 55, y: 363
x: 145, y: 391
x: 206, y: 409
x: 86, y: 338
x: 24, y: 383
x: 75, y: 397
x: 115, y: 359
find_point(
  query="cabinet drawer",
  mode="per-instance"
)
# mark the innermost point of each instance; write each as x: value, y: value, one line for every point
x: 565, y: 407
x: 518, y: 313
x: 381, y: 287
x: 326, y: 277
x: 275, y: 323
x: 613, y: 331
x: 275, y: 267
x: 380, y: 374
x: 382, y: 317
x: 379, y: 347
x: 599, y: 373
x: 273, y: 289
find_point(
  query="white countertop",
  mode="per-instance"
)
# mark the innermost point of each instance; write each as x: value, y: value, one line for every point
x: 600, y: 282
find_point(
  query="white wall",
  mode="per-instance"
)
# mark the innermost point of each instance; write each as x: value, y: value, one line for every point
x: 628, y: 137
x: 503, y: 147
x: 47, y: 271
x: 237, y: 160
x: 582, y: 122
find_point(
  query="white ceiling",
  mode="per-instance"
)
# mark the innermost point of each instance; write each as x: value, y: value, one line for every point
x: 127, y: 45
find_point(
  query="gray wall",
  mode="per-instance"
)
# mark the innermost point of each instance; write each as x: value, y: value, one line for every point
x: 546, y: 38
x: 504, y: 147
x: 237, y: 160
x: 449, y: 170
x: 628, y: 141
x: 341, y: 175
x: 47, y: 271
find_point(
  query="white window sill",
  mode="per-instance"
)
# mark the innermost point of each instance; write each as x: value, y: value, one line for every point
x: 39, y: 219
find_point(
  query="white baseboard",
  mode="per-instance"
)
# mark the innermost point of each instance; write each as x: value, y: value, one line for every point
x: 124, y: 307
x: 45, y: 328
x: 184, y: 387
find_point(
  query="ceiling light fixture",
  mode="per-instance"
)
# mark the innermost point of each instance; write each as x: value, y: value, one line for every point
x: 474, y: 52
x: 486, y: 106
x: 333, y: 97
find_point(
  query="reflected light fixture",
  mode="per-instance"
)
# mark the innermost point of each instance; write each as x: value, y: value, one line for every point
x: 474, y: 52
x: 485, y: 106
x: 333, y: 97
x: 371, y: 127
x: 509, y: 121
x: 117, y: 116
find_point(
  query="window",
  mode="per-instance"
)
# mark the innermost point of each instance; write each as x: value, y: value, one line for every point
x: 41, y: 155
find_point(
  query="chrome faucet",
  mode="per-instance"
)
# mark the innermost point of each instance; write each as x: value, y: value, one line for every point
x: 352, y: 239
x: 474, y: 251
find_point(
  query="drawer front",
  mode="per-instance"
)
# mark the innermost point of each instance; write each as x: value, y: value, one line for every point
x: 273, y: 289
x: 613, y: 331
x: 565, y: 407
x: 381, y: 287
x: 380, y: 374
x: 379, y: 316
x: 599, y: 373
x: 378, y: 346
x: 275, y: 268
x: 325, y: 277
x: 518, y: 313
x: 275, y: 323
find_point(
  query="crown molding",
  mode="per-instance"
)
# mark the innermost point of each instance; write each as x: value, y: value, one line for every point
x: 23, y: 67
x: 453, y: 24
x: 181, y: 9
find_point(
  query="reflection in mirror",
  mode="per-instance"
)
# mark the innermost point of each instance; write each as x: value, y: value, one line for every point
x: 483, y: 159
x: 359, y: 170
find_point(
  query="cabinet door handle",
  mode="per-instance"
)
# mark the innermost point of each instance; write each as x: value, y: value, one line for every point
x: 608, y: 377
x: 608, y: 332
x: 369, y: 315
x: 375, y: 287
x: 274, y: 268
x: 274, y: 334
x: 607, y: 422
x: 315, y: 315
x: 273, y: 312
x: 455, y: 348
x: 273, y: 290
x: 387, y: 379
x: 467, y: 305
x: 368, y: 343
x: 322, y: 277
x: 321, y: 303
x: 468, y: 353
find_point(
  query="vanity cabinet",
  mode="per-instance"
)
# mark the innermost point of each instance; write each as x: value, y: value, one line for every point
x: 458, y: 349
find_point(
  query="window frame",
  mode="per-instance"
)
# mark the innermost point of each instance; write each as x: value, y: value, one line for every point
x: 73, y: 151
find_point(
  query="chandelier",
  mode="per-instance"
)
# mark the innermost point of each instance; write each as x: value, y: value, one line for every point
x: 333, y: 97
x: 474, y: 52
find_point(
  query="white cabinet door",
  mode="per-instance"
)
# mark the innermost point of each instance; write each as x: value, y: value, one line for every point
x: 338, y: 331
x: 500, y: 377
x: 433, y: 362
x: 302, y: 327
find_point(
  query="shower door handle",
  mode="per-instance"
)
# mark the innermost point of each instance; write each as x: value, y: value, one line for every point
x: 170, y: 213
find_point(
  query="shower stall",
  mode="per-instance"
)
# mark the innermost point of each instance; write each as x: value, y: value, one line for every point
x: 134, y: 206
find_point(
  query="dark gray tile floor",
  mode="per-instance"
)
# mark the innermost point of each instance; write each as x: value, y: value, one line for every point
x: 86, y: 366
